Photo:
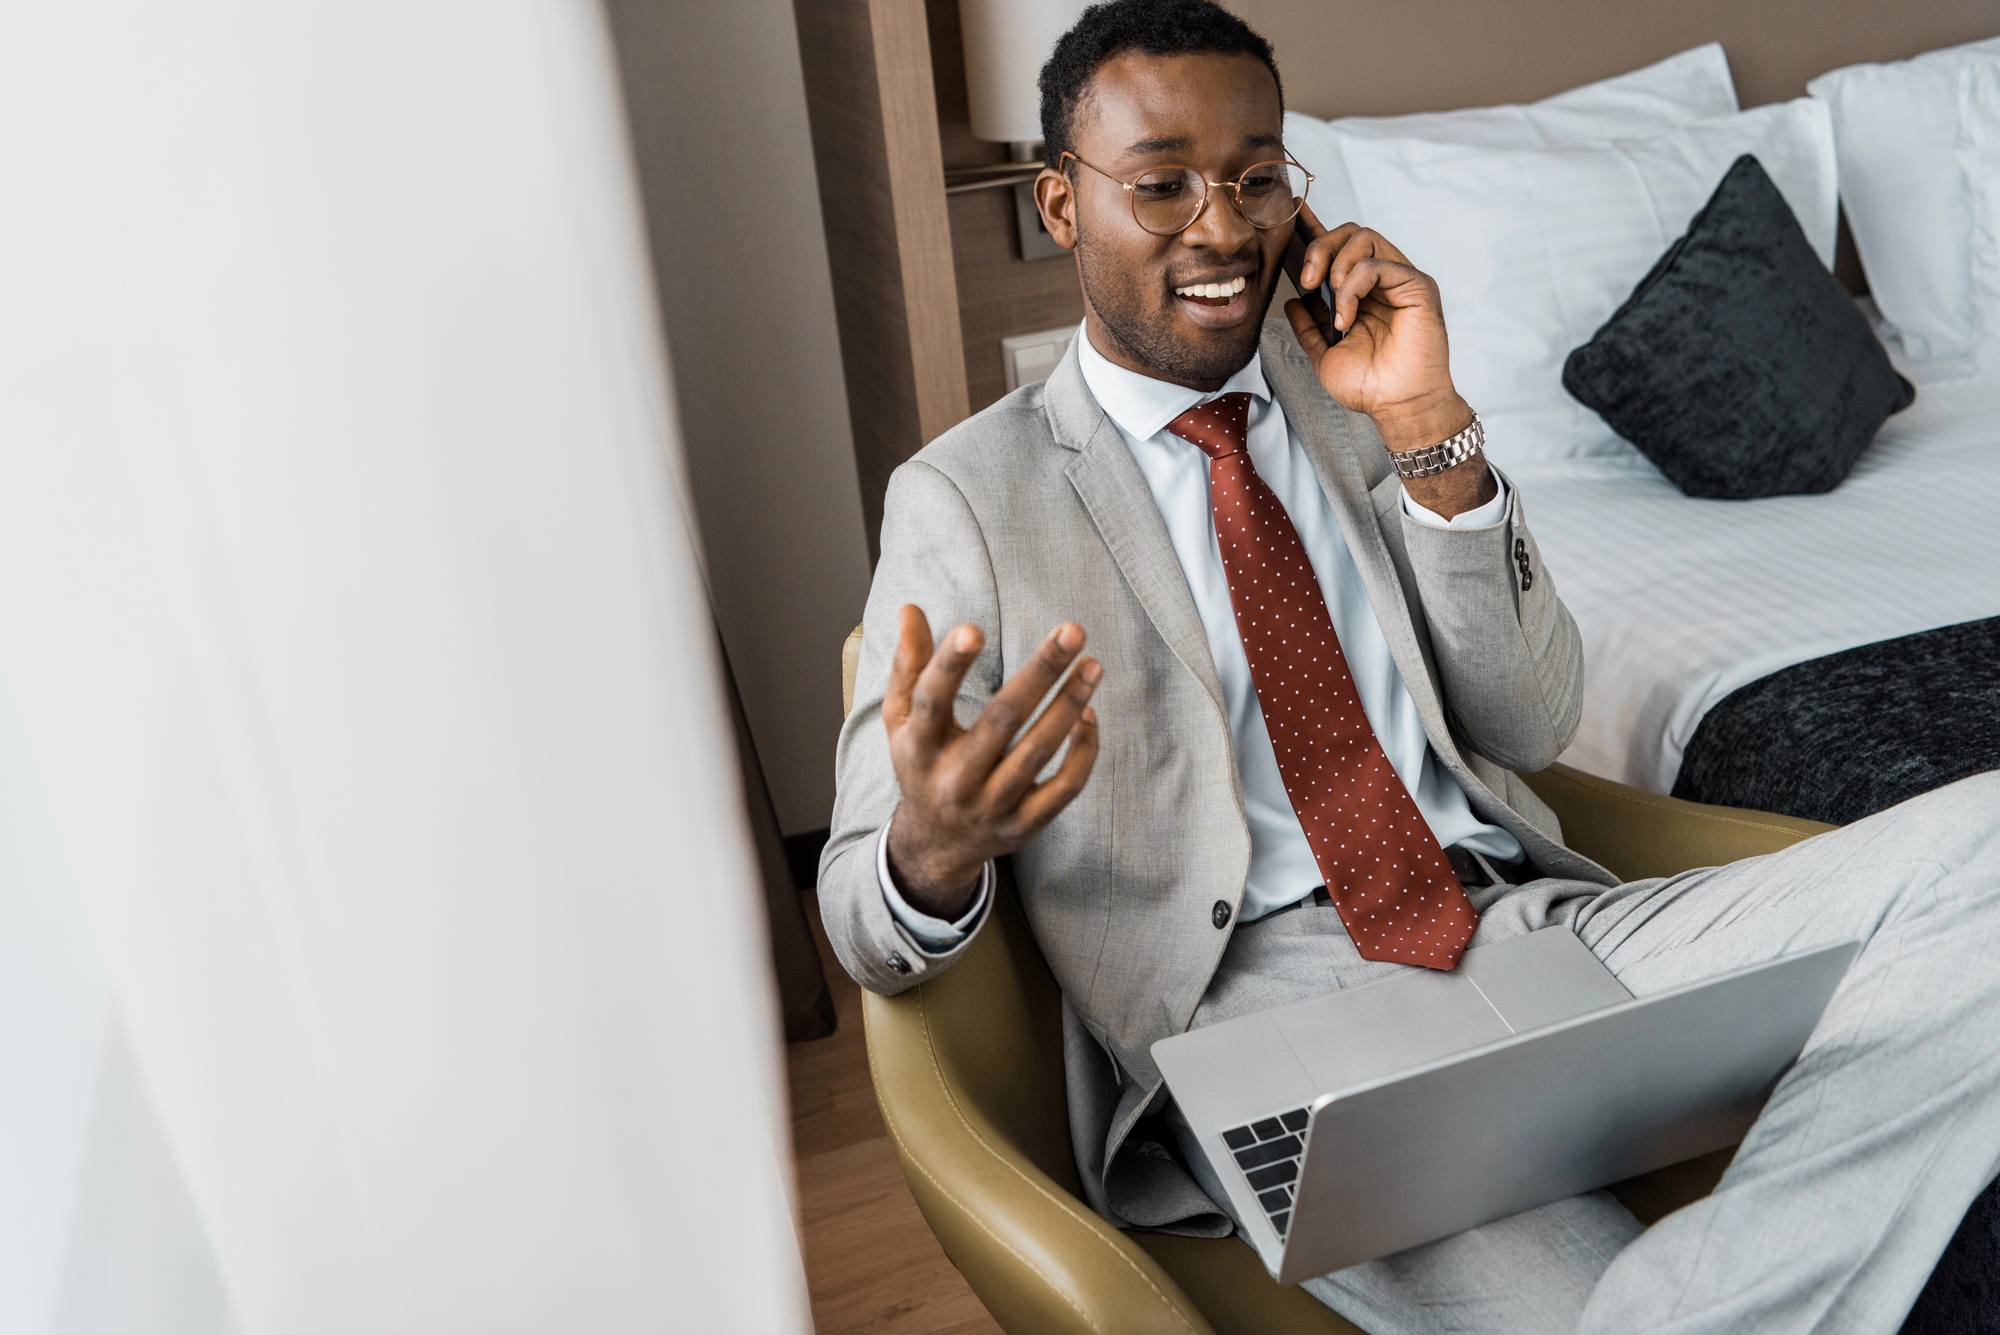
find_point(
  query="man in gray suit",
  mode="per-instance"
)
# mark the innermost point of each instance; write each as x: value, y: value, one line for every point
x: 1323, y: 644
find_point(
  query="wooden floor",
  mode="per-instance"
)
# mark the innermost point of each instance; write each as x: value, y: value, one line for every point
x: 871, y: 1261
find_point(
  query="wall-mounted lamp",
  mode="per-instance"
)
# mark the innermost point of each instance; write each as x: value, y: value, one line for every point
x: 1006, y: 43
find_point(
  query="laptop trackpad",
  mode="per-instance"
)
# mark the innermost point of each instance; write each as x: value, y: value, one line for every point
x: 1542, y: 978
x: 1348, y: 1038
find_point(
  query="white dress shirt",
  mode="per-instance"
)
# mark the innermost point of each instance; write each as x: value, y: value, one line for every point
x: 1282, y: 867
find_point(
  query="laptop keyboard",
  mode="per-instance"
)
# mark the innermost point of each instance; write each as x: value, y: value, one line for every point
x: 1268, y: 1151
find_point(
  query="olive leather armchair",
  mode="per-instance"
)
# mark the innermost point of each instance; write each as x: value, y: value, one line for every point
x: 968, y: 1071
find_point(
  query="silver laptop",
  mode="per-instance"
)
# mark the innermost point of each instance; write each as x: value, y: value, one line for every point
x: 1359, y: 1123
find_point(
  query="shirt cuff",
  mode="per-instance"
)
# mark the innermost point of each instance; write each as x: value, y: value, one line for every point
x: 1483, y: 517
x: 935, y: 935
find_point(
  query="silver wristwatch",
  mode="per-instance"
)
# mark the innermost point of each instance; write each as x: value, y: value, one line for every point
x: 1433, y: 459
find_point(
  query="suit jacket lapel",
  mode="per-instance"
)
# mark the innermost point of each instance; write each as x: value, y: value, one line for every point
x: 1336, y: 443
x: 1114, y: 492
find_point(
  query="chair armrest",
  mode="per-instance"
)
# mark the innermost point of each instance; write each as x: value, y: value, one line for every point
x: 850, y: 668
x: 1637, y: 834
x: 1039, y: 1258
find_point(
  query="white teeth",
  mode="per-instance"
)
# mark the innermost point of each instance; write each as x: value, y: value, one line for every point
x: 1213, y: 291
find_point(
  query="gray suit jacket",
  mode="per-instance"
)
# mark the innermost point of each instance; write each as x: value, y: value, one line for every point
x: 1034, y: 512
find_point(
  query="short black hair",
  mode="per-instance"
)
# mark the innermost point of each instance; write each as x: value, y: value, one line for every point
x: 1156, y: 27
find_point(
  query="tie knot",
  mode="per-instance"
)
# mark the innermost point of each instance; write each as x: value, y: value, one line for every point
x: 1219, y: 427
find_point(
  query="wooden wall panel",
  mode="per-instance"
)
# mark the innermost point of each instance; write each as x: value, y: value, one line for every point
x: 999, y: 293
x: 881, y: 185
x: 923, y: 229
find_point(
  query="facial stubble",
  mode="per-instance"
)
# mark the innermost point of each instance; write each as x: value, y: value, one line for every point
x: 1147, y: 334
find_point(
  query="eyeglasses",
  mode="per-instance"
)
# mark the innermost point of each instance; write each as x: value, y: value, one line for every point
x: 1167, y: 200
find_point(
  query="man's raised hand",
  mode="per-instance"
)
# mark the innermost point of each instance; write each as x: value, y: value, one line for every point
x: 1394, y: 363
x: 969, y: 794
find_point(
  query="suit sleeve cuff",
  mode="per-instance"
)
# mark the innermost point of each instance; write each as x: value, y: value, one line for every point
x: 935, y: 935
x: 1484, y: 516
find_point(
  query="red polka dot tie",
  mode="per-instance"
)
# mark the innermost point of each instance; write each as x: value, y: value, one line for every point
x: 1384, y: 870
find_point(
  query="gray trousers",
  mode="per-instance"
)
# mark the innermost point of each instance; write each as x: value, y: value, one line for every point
x: 1852, y: 1181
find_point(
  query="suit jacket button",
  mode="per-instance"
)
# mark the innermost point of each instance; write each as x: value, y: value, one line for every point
x: 1219, y: 915
x: 897, y: 962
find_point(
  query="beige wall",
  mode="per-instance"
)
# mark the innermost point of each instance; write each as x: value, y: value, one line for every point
x: 1385, y: 57
x: 740, y: 259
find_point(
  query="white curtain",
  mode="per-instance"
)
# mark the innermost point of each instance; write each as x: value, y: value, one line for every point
x: 379, y: 942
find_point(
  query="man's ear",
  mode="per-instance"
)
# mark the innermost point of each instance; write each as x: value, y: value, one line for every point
x: 1055, y: 196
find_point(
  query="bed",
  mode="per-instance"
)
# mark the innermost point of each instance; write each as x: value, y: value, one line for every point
x: 1821, y: 655
x: 1684, y: 603
x: 1540, y: 222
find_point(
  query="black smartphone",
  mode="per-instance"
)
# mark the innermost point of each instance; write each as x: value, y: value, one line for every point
x: 1320, y: 300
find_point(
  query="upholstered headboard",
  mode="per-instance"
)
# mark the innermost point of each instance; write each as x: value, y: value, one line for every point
x: 1386, y: 57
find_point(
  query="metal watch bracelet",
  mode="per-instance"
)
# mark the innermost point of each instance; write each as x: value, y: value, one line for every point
x: 1434, y: 459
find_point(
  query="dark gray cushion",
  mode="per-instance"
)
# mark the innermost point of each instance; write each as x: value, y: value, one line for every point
x: 1739, y: 365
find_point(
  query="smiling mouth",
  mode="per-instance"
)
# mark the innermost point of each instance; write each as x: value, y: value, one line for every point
x: 1213, y: 294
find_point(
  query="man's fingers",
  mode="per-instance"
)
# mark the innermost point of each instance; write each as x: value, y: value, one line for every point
x: 913, y: 650
x: 1364, y: 243
x: 1046, y: 799
x: 988, y: 738
x: 1338, y: 251
x: 1323, y: 247
x: 1362, y: 248
x: 1390, y: 281
x: 1016, y: 772
x: 937, y: 685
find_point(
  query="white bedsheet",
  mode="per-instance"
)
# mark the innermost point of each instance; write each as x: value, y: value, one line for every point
x: 1681, y: 601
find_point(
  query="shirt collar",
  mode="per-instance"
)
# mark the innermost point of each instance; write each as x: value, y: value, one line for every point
x: 1141, y: 405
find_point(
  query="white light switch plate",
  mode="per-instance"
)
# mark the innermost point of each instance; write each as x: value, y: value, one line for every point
x: 1030, y: 357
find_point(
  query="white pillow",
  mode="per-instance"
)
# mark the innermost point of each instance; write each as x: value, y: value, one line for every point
x: 1691, y: 86
x: 1907, y: 198
x: 1979, y: 159
x: 1534, y: 249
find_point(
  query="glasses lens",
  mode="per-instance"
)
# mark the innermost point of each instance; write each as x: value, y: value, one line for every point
x: 1167, y: 200
x: 1270, y: 193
